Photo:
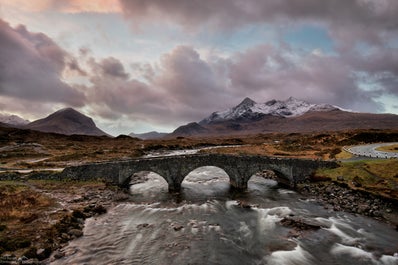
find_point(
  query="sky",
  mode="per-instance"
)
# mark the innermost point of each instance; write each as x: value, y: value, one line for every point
x: 138, y: 66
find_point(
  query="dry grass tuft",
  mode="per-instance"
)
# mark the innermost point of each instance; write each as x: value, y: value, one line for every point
x: 20, y: 202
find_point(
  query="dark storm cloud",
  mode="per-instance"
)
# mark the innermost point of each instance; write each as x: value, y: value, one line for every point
x: 112, y: 67
x: 271, y: 72
x: 379, y: 66
x: 183, y: 86
x: 113, y: 93
x: 191, y: 83
x: 381, y: 12
x: 346, y: 20
x: 31, y: 65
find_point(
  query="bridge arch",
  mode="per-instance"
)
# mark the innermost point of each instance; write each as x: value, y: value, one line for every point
x: 216, y: 173
x: 281, y: 178
x: 139, y: 177
x: 185, y: 169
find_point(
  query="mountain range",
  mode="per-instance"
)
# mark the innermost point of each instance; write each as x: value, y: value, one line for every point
x: 249, y: 110
x: 248, y: 117
x: 291, y: 115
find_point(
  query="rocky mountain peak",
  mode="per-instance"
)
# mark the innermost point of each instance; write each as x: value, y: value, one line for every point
x: 246, y: 102
x: 248, y: 110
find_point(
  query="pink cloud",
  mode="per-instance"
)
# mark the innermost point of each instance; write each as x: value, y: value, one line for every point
x: 31, y: 67
x: 70, y: 6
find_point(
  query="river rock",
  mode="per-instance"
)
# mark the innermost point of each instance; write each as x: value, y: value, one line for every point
x: 300, y: 223
x: 40, y: 251
x: 144, y: 225
x: 75, y: 233
x: 245, y: 205
x: 58, y: 254
x: 43, y: 253
x: 31, y: 262
x: 177, y: 227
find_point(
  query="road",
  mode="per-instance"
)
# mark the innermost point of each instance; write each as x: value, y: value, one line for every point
x: 369, y: 150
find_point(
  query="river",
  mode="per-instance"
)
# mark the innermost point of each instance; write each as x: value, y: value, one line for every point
x: 207, y: 223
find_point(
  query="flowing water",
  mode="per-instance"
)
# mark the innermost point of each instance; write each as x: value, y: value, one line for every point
x: 207, y: 223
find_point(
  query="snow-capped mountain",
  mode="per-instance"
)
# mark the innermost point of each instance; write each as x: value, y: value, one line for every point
x: 12, y: 119
x: 284, y: 116
x: 248, y: 109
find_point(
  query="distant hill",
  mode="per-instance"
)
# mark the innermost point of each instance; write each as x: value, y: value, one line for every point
x: 13, y: 120
x: 291, y: 115
x: 148, y: 135
x: 66, y: 121
x: 190, y: 129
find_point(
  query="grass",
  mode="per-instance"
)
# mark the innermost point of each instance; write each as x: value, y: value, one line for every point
x: 309, y: 152
x: 69, y: 186
x: 344, y: 155
x: 18, y: 201
x: 22, y: 210
x: 376, y: 176
x: 388, y: 148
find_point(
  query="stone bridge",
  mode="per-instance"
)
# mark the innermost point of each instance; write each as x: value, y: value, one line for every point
x: 175, y: 168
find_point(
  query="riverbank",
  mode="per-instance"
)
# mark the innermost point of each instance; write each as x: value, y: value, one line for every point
x: 337, y: 196
x: 39, y: 217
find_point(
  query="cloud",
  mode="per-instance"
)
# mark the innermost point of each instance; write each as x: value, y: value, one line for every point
x: 32, y: 65
x: 347, y: 21
x: 268, y: 72
x: 79, y: 6
x: 70, y: 6
x: 190, y: 82
x: 181, y: 88
x: 377, y: 13
x: 112, y: 93
x: 377, y: 68
x: 110, y: 67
